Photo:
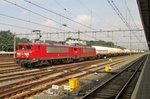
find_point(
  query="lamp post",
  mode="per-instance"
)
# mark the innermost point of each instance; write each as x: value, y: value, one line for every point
x: 78, y: 36
x: 14, y: 44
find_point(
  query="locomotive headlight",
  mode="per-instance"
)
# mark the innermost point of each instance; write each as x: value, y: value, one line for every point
x: 18, y: 54
x: 26, y: 54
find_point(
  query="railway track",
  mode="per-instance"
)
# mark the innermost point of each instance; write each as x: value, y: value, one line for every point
x: 6, y: 58
x: 12, y: 67
x: 58, y: 76
x: 8, y: 65
x: 119, y: 86
x: 12, y: 70
x: 29, y: 73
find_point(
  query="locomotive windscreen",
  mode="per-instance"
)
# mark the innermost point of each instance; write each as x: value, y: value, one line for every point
x: 28, y: 47
x: 51, y: 49
x: 21, y: 47
x: 25, y: 47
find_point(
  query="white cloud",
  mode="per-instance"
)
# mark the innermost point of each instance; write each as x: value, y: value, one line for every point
x: 83, y: 18
x: 15, y: 1
x: 49, y: 23
x: 24, y: 13
x: 3, y: 3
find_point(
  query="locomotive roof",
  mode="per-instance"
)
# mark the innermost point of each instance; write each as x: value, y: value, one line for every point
x: 53, y: 44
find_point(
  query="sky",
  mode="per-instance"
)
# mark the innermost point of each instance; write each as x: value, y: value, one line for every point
x: 80, y: 15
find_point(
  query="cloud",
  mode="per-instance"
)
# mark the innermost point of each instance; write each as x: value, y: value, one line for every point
x: 83, y: 18
x: 24, y: 13
x: 3, y: 2
x: 49, y: 23
x: 15, y: 1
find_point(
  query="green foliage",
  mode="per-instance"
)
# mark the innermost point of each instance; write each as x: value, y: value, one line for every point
x: 69, y: 38
x: 7, y: 41
x: 103, y: 43
x: 98, y: 43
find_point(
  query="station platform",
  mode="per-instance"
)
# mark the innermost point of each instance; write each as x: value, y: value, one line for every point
x: 142, y: 89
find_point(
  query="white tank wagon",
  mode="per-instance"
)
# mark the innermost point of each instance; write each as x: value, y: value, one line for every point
x: 108, y: 51
x: 117, y: 51
x: 127, y: 51
x: 136, y: 51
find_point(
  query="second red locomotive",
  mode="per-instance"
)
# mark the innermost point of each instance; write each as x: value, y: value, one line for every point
x: 38, y: 54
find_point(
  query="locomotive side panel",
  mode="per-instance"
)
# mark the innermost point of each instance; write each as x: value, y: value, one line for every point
x: 57, y: 52
x: 88, y: 52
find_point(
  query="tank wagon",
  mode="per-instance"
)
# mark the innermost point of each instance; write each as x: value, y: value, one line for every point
x: 38, y: 54
x: 109, y: 52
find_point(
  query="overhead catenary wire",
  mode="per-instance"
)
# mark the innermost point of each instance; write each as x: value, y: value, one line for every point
x: 26, y: 28
x: 38, y: 14
x: 130, y: 14
x: 20, y: 27
x: 47, y: 16
x: 60, y: 5
x: 69, y: 12
x: 92, y: 12
x: 111, y: 2
x: 115, y: 8
x: 65, y: 9
x: 85, y: 33
x: 101, y: 31
x: 30, y: 22
x: 58, y: 14
x: 119, y: 13
x: 75, y: 32
x: 85, y: 6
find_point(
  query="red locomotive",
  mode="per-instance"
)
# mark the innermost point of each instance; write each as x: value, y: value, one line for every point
x: 38, y: 54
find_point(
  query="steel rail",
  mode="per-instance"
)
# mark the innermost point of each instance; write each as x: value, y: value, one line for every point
x: 32, y: 84
x: 111, y: 79
x: 128, y: 82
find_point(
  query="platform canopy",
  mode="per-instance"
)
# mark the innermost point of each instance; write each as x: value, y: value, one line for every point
x: 144, y: 9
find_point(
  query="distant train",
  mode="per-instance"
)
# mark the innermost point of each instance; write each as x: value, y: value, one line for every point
x: 38, y: 54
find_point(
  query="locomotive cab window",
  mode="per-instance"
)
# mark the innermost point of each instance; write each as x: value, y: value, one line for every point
x: 29, y: 47
x: 75, y: 49
x: 21, y: 47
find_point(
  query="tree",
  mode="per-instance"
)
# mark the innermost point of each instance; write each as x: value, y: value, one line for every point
x: 7, y: 40
x: 99, y: 43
